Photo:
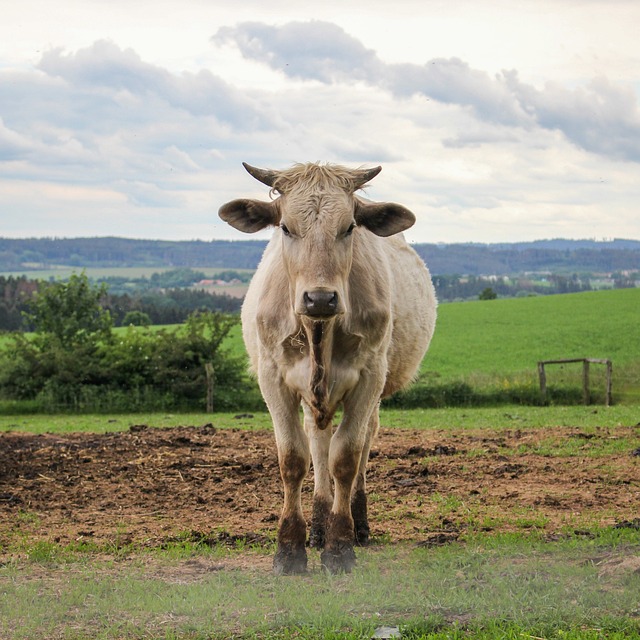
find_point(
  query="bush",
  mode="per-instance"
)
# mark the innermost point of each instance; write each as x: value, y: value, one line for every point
x: 433, y: 396
x: 74, y: 361
x: 462, y: 394
x: 136, y: 319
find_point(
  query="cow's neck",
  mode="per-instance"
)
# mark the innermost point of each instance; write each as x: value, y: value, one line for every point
x: 320, y: 340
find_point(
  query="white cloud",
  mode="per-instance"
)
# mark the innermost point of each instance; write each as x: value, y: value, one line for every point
x: 104, y: 66
x: 313, y: 50
x: 120, y: 129
x: 12, y: 144
x: 600, y: 117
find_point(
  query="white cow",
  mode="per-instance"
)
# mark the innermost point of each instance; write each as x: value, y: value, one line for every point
x: 338, y: 315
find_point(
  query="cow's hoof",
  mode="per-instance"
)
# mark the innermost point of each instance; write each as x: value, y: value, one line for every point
x: 339, y: 559
x: 362, y: 532
x: 290, y: 562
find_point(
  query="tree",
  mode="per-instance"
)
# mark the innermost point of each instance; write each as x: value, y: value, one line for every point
x: 487, y: 294
x: 70, y: 313
x: 62, y: 356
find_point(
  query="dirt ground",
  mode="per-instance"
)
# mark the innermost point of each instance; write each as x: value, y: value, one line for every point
x: 150, y: 487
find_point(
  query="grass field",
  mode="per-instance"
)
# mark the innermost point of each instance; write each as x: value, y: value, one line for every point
x: 496, y: 344
x: 511, y: 335
x: 470, y: 418
x: 513, y: 590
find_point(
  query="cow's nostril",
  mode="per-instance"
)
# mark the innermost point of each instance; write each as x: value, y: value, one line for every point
x: 320, y: 303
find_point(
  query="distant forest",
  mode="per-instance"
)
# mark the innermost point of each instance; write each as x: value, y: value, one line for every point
x: 546, y: 256
x: 158, y: 305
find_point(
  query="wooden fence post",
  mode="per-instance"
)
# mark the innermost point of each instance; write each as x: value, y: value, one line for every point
x: 543, y: 382
x: 609, y: 395
x: 208, y: 367
x: 585, y: 382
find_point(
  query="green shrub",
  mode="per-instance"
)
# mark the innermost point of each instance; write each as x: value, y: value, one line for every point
x: 74, y: 360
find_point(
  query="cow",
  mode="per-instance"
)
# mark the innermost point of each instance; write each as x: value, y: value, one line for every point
x: 338, y: 315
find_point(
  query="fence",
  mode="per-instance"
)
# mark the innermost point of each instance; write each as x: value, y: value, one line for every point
x: 586, y: 362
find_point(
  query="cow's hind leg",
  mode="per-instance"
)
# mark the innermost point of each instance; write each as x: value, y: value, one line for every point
x: 319, y: 443
x: 345, y: 459
x: 359, y: 495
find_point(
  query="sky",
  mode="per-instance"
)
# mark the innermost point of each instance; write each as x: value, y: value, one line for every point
x: 493, y: 120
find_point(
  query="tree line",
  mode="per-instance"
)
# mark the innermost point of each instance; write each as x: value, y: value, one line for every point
x: 15, y: 253
x: 150, y: 305
x: 558, y: 256
x: 455, y: 287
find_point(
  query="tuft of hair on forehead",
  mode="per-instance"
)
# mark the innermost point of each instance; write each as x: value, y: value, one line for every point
x: 313, y: 176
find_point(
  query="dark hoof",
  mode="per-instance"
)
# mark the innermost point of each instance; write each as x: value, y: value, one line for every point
x: 362, y: 535
x: 339, y: 560
x: 290, y: 562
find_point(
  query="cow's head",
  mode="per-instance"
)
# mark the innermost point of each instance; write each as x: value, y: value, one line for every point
x: 318, y: 219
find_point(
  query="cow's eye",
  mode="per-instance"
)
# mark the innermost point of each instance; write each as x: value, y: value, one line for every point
x: 349, y: 231
x: 285, y: 229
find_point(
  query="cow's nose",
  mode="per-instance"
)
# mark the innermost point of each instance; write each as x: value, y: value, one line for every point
x: 320, y: 303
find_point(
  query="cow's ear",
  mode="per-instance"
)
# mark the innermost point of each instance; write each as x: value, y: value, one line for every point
x: 383, y: 218
x: 249, y: 215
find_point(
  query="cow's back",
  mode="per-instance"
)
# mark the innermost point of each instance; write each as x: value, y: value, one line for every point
x: 413, y: 311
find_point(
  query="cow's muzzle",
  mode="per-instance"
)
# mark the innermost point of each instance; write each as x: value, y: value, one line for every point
x: 320, y: 303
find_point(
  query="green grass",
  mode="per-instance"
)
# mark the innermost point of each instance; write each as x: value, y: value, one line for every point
x: 472, y: 418
x: 68, y: 423
x: 507, y: 336
x: 511, y: 335
x: 494, y: 346
x: 575, y: 588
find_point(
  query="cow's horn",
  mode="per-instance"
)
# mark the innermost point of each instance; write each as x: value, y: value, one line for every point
x: 362, y: 177
x: 266, y: 176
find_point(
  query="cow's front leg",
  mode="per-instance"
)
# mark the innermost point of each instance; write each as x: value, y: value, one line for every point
x: 291, y: 555
x: 345, y: 453
x: 359, y: 495
x: 293, y: 460
x: 338, y: 554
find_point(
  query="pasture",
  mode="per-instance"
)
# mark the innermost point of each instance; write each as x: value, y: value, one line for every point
x: 487, y: 523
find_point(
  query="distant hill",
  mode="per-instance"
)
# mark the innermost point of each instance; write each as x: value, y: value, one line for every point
x: 553, y: 256
x: 556, y: 256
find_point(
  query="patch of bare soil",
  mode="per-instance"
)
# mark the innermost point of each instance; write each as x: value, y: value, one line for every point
x: 151, y: 486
